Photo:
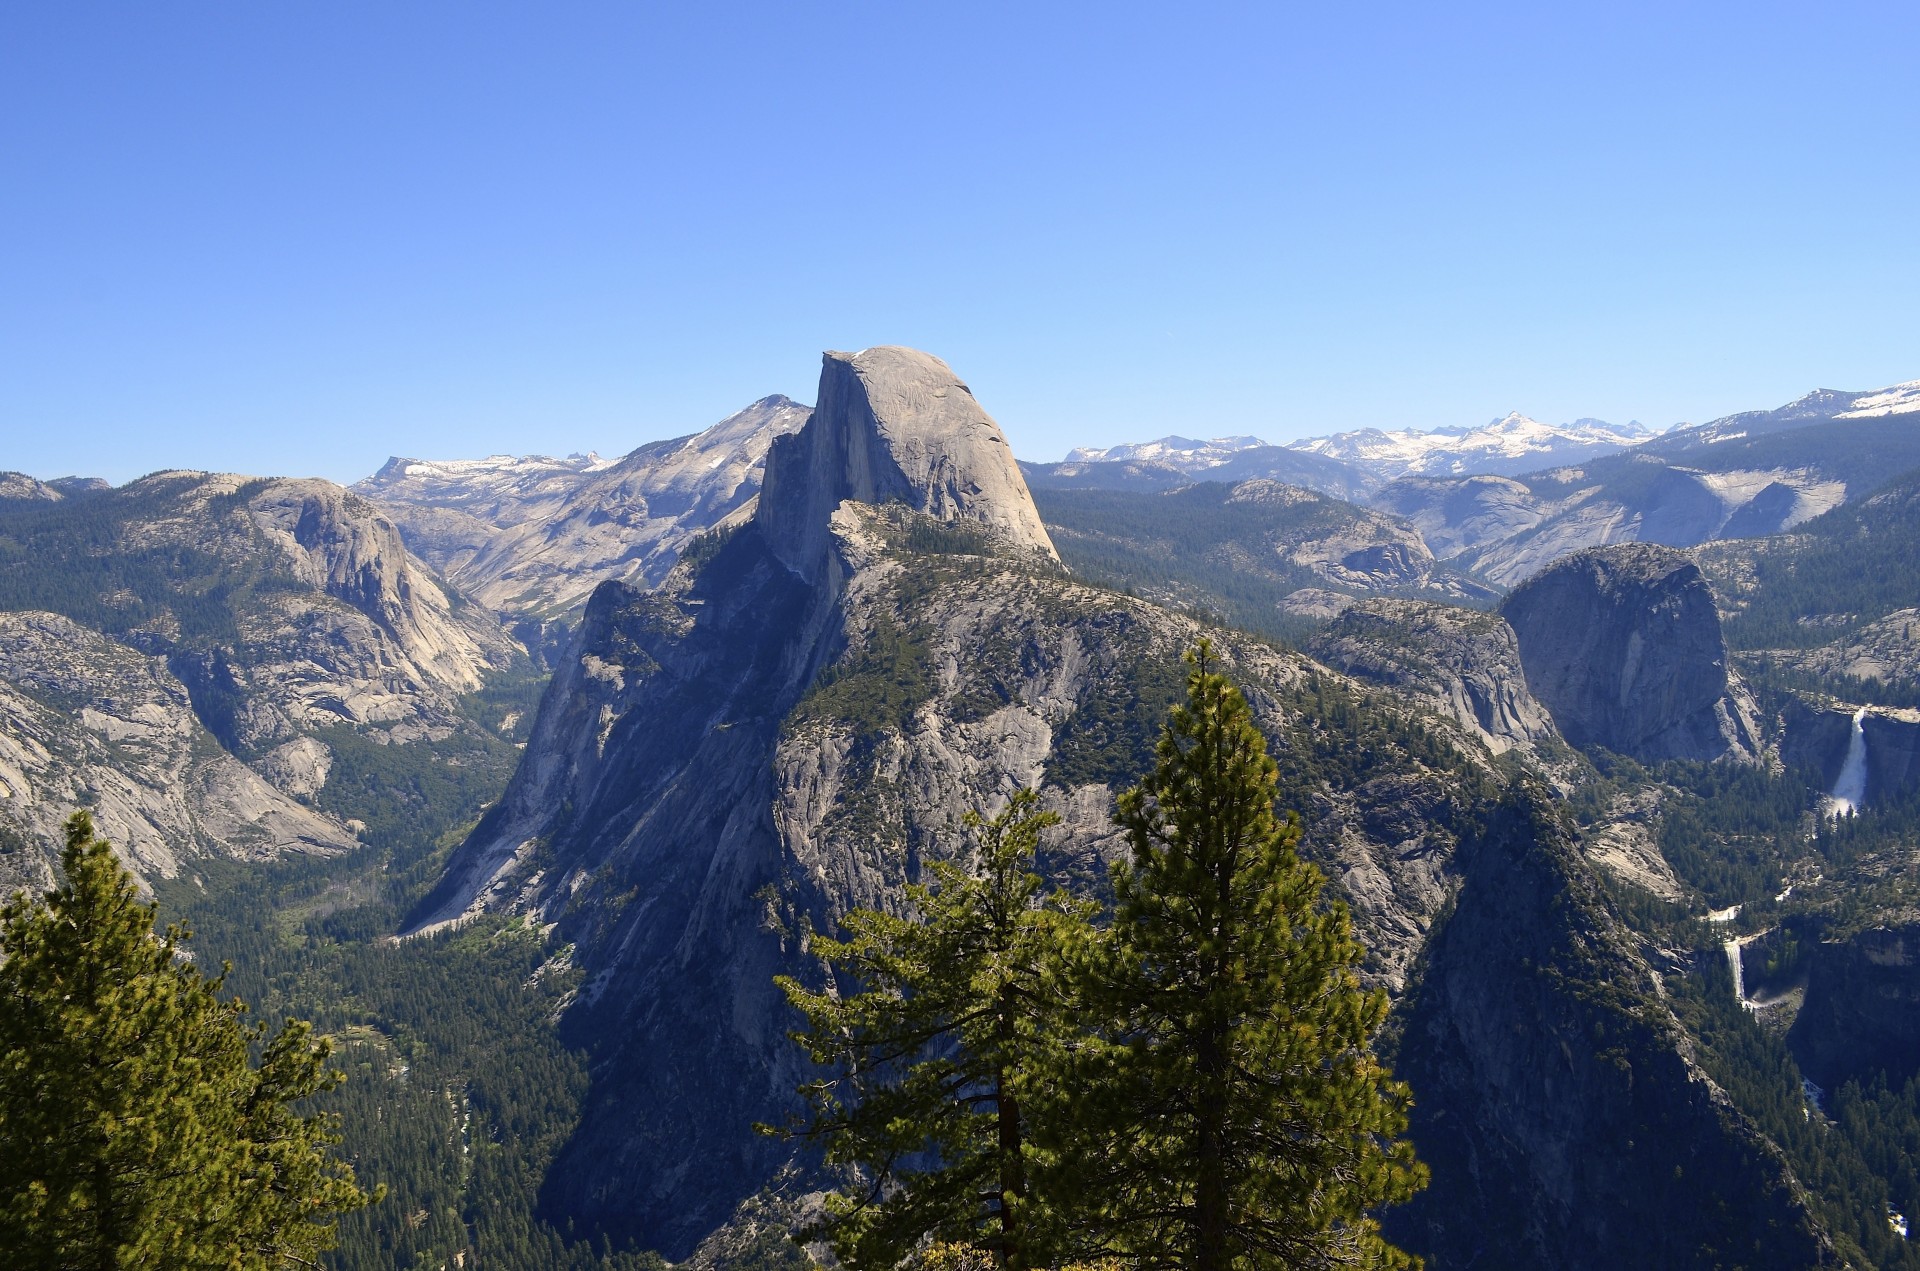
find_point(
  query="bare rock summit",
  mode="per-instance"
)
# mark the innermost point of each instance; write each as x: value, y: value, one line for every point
x: 894, y: 425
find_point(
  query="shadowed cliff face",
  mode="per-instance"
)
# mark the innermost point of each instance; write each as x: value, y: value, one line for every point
x: 1623, y: 646
x: 1862, y: 1012
x: 1563, y: 1123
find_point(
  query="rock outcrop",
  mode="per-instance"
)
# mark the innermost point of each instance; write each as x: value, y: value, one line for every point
x: 271, y: 611
x: 799, y: 719
x: 1623, y: 647
x: 796, y: 722
x: 86, y: 722
x: 18, y: 485
x: 1465, y: 663
x: 894, y: 425
x: 1861, y: 1015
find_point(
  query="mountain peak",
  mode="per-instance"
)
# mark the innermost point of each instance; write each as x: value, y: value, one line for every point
x: 893, y: 425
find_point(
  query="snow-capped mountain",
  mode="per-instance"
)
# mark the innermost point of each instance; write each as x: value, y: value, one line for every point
x: 1183, y: 453
x: 1820, y: 405
x: 1511, y: 444
x: 1350, y: 463
x: 500, y: 489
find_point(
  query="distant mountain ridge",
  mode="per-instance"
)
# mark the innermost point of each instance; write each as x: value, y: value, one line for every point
x: 1513, y: 443
x: 1746, y: 475
x: 531, y: 537
x: 1372, y: 457
x: 1819, y: 406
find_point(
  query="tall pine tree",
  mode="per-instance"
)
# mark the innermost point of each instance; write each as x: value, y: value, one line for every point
x: 135, y: 1130
x: 1232, y: 1113
x: 937, y: 1056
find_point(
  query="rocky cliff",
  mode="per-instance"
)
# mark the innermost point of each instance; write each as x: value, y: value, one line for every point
x: 894, y: 425
x: 799, y: 719
x: 270, y: 611
x: 1463, y: 662
x: 1861, y: 1016
x: 1623, y: 647
x: 86, y: 722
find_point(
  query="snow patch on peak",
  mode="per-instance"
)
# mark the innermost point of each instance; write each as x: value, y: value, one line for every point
x: 1184, y: 453
x: 1897, y: 400
x: 1512, y: 443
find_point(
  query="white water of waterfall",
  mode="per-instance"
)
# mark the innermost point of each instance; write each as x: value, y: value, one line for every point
x: 1850, y: 790
x: 1739, y: 973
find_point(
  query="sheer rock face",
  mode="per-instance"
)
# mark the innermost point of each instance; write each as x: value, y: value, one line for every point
x: 796, y: 723
x: 339, y: 545
x: 353, y: 629
x: 695, y: 796
x: 1862, y: 1011
x: 1623, y: 646
x: 1465, y: 663
x: 894, y: 425
x: 86, y: 722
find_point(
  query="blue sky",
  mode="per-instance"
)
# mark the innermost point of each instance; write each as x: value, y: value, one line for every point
x: 299, y: 237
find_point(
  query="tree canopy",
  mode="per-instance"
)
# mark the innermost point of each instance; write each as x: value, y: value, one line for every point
x: 136, y: 1130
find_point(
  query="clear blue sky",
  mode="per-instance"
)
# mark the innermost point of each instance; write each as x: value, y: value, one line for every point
x: 296, y: 237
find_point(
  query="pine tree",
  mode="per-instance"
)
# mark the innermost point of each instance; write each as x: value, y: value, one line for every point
x: 1232, y: 1113
x: 135, y: 1132
x: 939, y: 1062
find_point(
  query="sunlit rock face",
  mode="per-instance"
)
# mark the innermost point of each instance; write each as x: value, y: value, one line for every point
x: 1464, y: 662
x: 895, y: 425
x: 1623, y: 646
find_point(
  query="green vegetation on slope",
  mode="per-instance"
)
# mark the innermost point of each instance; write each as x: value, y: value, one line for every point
x: 75, y: 557
x: 1200, y: 549
x: 460, y: 1091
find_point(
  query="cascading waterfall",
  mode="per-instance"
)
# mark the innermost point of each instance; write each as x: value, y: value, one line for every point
x: 1850, y: 790
x: 1732, y: 948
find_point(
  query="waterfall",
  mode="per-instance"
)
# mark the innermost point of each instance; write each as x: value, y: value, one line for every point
x: 1739, y: 972
x: 1850, y: 790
